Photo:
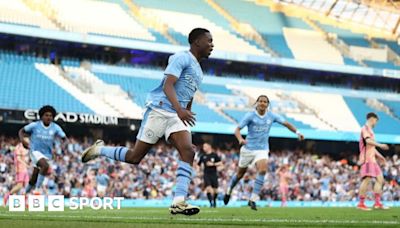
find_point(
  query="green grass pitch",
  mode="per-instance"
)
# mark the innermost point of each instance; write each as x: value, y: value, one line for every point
x: 219, y: 217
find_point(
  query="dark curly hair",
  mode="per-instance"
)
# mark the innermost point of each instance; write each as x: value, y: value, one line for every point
x: 47, y: 108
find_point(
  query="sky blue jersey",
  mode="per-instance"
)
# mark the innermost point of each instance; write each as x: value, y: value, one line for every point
x: 187, y: 69
x: 102, y: 179
x: 42, y: 138
x: 258, y: 128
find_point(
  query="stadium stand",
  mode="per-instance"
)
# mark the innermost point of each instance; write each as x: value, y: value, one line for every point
x: 387, y: 124
x: 210, y: 88
x: 390, y: 44
x: 324, y: 108
x: 237, y: 115
x: 112, y: 95
x: 98, y: 17
x: 122, y: 91
x: 394, y: 106
x: 351, y: 62
x: 282, y: 103
x: 385, y: 65
x: 222, y: 39
x: 138, y: 87
x: 189, y: 6
x: 19, y: 13
x: 222, y: 100
x: 301, y: 42
x: 161, y: 22
x: 25, y: 87
x: 272, y: 31
x: 347, y: 36
x: 206, y: 114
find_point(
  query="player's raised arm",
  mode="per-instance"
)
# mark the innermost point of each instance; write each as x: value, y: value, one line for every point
x: 293, y: 129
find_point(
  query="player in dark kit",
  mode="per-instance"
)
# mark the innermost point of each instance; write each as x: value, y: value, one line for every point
x: 211, y: 161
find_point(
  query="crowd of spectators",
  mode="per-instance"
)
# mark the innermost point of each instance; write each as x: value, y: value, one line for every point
x: 314, y: 176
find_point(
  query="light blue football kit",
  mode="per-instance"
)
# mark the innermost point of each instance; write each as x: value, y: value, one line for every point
x: 160, y: 117
x: 257, y: 146
x: 42, y: 139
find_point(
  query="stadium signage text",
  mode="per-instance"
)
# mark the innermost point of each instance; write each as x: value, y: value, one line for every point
x: 58, y: 203
x: 71, y: 117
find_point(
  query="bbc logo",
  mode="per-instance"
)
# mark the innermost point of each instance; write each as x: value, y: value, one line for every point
x: 57, y: 203
x: 36, y: 203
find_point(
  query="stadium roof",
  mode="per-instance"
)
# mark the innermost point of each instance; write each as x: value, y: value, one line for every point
x: 377, y: 14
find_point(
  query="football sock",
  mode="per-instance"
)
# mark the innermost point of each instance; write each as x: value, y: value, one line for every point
x: 258, y: 183
x: 183, y: 178
x: 362, y: 199
x: 232, y: 184
x: 377, y: 198
x: 115, y: 153
x: 210, y: 198
x: 40, y: 181
x: 29, y: 188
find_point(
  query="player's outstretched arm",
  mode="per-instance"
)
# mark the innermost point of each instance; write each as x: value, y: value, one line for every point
x: 22, y: 134
x: 239, y: 136
x: 293, y: 129
x: 185, y: 115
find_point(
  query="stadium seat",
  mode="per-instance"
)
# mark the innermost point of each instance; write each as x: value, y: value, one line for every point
x: 268, y: 23
x: 17, y: 12
x: 382, y: 65
x: 223, y: 39
x: 351, y: 62
x: 24, y: 87
x: 310, y: 46
x: 347, y: 36
x: 136, y: 87
x: 387, y: 124
x: 206, y: 114
x: 90, y: 17
x: 321, y: 103
x: 187, y: 6
x: 212, y: 88
x: 394, y: 106
x: 395, y: 46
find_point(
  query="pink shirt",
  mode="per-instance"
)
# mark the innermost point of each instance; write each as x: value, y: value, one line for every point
x: 367, y: 152
x: 21, y: 153
x: 284, y: 177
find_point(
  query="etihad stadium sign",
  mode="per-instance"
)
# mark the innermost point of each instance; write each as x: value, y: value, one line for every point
x: 72, y: 117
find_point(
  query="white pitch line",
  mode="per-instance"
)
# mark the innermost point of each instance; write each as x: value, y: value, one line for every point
x: 136, y: 211
x: 329, y: 221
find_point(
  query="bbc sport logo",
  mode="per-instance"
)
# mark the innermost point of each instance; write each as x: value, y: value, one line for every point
x: 58, y: 203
